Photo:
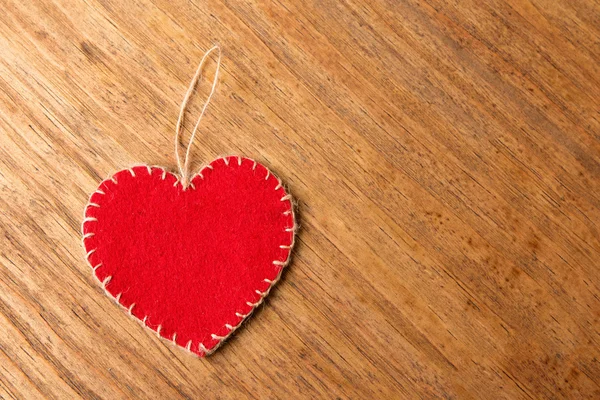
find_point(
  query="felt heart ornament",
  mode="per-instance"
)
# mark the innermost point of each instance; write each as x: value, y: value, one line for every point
x: 191, y: 262
x: 190, y: 257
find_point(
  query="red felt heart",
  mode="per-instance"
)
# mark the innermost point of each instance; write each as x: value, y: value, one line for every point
x: 191, y: 263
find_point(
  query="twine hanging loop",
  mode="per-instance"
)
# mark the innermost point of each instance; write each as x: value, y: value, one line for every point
x: 184, y: 167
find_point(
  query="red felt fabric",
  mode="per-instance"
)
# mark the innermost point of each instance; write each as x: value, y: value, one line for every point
x: 190, y: 260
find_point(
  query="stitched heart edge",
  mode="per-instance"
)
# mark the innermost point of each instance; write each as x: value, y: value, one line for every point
x: 202, y: 350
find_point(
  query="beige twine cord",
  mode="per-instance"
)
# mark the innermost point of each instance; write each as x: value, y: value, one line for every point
x: 184, y: 169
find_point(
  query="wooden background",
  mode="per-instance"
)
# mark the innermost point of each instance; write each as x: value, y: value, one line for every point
x: 446, y: 158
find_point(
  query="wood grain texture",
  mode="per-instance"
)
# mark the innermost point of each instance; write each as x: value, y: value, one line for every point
x: 446, y: 158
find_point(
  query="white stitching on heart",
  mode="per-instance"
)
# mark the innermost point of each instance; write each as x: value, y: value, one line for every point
x: 231, y: 329
x: 203, y: 349
x: 89, y: 253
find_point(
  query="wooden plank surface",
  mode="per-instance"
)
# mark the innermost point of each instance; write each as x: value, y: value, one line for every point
x: 446, y: 159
